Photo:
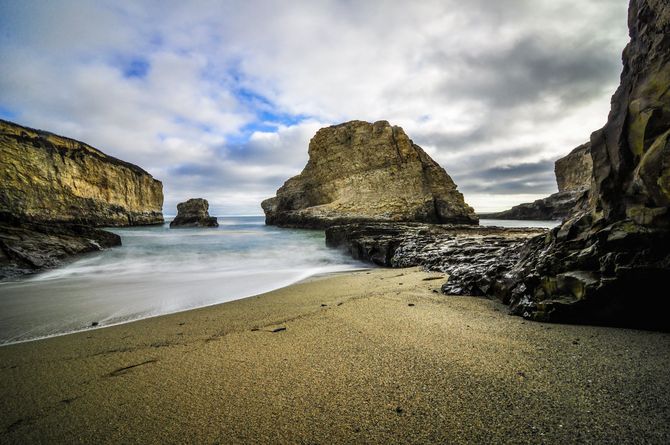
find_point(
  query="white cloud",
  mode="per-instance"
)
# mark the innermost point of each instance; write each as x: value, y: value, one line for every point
x: 229, y: 93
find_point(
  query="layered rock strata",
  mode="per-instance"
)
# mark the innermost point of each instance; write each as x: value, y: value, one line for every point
x: 358, y: 171
x: 193, y: 213
x: 50, y: 178
x: 54, y: 190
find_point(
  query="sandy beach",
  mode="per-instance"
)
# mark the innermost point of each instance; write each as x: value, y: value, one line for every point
x: 364, y: 357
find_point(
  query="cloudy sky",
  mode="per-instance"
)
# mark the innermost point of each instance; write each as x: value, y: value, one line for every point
x: 220, y: 98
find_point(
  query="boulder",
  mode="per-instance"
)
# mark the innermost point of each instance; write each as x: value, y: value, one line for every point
x: 358, y: 171
x: 193, y: 213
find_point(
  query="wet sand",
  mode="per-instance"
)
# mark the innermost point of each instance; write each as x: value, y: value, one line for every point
x: 365, y: 357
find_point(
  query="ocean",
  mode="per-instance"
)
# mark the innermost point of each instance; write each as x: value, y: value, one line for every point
x: 159, y: 270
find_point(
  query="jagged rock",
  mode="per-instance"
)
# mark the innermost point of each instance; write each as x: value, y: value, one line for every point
x: 470, y: 255
x: 50, y: 178
x: 29, y: 247
x: 573, y: 176
x: 54, y: 189
x: 609, y: 264
x: 359, y: 171
x: 193, y: 213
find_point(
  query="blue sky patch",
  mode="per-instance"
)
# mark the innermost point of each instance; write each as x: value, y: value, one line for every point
x: 6, y: 113
x: 136, y: 68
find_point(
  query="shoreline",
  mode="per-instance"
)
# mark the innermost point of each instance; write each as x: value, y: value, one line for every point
x: 371, y: 356
x: 317, y: 275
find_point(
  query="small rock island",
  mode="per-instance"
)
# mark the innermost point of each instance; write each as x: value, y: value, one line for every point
x: 193, y: 213
x: 361, y: 172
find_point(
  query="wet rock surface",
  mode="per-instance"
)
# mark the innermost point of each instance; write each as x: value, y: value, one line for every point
x: 359, y: 171
x: 193, y: 213
x: 27, y: 248
x: 473, y: 256
x: 608, y: 264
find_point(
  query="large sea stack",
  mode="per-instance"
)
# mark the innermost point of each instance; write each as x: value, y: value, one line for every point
x: 361, y: 172
x: 609, y: 264
x: 55, y: 191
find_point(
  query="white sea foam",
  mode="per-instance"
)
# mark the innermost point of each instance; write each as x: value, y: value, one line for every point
x: 160, y: 270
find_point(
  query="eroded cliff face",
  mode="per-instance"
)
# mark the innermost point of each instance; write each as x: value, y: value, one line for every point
x: 609, y: 263
x: 574, y: 175
x: 49, y: 178
x: 574, y: 172
x: 631, y: 154
x: 358, y: 171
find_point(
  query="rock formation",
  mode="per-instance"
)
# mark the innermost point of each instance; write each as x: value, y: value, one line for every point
x: 54, y: 189
x: 574, y: 172
x: 610, y: 263
x: 472, y: 256
x: 193, y: 213
x: 50, y: 178
x: 27, y: 247
x: 573, y: 176
x: 359, y: 171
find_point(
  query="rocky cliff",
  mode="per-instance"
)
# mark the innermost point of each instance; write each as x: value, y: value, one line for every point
x: 574, y: 172
x: 573, y: 175
x: 358, y: 171
x: 53, y: 189
x: 609, y: 263
x: 50, y: 178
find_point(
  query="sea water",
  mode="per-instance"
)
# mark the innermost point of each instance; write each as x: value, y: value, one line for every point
x: 159, y: 270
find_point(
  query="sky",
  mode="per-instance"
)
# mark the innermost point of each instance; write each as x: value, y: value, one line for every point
x: 219, y: 99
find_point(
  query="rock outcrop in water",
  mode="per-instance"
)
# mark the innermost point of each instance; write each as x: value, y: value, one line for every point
x: 573, y: 176
x: 27, y: 247
x: 471, y: 255
x: 55, y: 190
x: 50, y: 178
x: 358, y: 171
x: 610, y: 263
x: 193, y: 213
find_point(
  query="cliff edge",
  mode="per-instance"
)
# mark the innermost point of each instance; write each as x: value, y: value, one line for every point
x: 50, y: 178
